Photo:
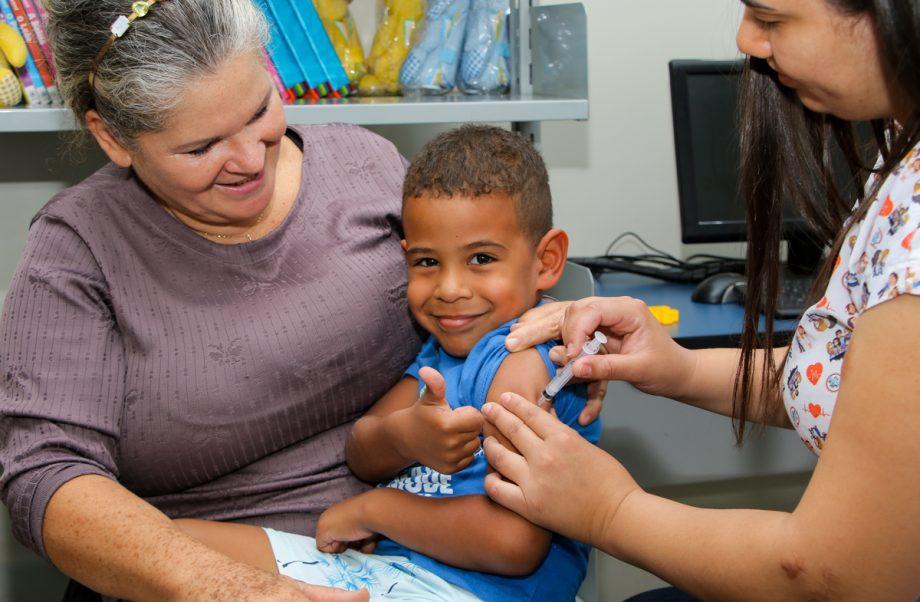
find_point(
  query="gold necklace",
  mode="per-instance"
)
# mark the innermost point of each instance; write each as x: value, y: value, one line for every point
x: 247, y: 233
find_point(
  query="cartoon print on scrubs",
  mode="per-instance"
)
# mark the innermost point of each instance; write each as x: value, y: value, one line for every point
x: 880, y: 261
x: 801, y: 338
x: 792, y: 384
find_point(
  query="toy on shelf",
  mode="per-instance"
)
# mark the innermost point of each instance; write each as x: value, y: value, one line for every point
x: 431, y: 66
x: 398, y: 20
x: 344, y: 37
x: 486, y: 51
x: 12, y: 54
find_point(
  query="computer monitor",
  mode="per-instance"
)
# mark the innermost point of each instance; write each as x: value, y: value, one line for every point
x: 704, y: 101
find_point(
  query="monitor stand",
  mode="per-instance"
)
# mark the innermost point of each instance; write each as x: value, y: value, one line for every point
x: 805, y: 254
x: 803, y: 263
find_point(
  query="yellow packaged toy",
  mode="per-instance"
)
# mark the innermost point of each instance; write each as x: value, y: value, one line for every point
x: 344, y: 37
x: 12, y: 54
x: 399, y: 18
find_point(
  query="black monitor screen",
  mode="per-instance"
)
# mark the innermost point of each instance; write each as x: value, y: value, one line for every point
x: 704, y: 99
x: 714, y: 147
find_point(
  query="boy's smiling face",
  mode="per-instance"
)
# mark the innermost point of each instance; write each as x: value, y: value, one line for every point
x: 471, y: 268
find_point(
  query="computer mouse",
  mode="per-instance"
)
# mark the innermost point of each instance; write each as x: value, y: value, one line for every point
x: 720, y: 288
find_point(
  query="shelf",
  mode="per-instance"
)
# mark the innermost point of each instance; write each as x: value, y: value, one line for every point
x: 364, y: 111
x: 439, y: 109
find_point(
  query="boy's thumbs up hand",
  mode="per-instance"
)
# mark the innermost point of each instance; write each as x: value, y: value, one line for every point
x: 435, y: 390
x: 435, y: 435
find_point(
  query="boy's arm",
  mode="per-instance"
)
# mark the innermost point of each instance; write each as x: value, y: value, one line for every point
x: 477, y: 533
x: 402, y: 429
x: 371, y: 450
x: 470, y: 532
x: 523, y: 373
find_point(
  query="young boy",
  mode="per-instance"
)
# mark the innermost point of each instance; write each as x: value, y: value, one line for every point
x: 480, y: 250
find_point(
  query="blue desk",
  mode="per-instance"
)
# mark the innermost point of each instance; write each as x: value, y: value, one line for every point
x: 701, y: 325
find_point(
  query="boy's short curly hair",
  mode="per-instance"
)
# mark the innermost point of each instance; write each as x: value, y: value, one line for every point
x: 476, y: 160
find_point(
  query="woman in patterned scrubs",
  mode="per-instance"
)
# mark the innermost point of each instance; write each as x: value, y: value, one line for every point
x: 847, y: 384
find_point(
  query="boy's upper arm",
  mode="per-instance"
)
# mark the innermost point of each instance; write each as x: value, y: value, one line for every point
x: 523, y: 373
x: 402, y: 395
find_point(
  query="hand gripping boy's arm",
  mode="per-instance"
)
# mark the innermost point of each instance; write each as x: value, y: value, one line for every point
x: 402, y: 429
x: 471, y: 531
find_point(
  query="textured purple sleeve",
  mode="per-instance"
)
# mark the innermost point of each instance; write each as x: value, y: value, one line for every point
x: 61, y: 376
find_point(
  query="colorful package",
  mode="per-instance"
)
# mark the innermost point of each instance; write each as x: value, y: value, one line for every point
x: 344, y: 37
x: 398, y: 20
x: 484, y: 65
x: 431, y: 66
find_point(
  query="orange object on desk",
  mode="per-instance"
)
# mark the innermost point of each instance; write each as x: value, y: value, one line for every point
x: 665, y: 314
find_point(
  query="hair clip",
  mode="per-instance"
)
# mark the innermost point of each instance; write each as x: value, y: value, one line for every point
x: 119, y: 28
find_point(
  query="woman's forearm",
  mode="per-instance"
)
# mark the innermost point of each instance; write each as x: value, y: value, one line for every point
x: 817, y: 552
x: 110, y: 540
x: 711, y: 554
x: 711, y: 386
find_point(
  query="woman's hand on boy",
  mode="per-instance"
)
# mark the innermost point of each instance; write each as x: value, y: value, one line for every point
x: 544, y: 323
x: 429, y: 432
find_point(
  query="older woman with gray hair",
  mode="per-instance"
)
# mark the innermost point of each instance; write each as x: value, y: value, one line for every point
x: 192, y: 330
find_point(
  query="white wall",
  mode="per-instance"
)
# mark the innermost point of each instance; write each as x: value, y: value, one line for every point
x: 616, y: 172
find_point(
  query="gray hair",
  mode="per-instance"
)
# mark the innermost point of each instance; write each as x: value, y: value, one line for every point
x: 143, y: 75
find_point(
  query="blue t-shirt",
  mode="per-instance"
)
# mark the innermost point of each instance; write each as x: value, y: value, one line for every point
x: 468, y: 382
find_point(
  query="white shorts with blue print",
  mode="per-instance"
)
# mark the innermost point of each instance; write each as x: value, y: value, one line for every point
x: 385, y: 577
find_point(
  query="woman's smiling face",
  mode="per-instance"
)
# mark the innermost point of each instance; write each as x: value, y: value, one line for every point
x: 830, y: 58
x: 216, y: 159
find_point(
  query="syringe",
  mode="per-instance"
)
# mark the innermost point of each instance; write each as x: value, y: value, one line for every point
x: 564, y: 374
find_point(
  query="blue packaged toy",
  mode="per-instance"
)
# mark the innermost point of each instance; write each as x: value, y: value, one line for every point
x: 486, y: 51
x: 432, y: 64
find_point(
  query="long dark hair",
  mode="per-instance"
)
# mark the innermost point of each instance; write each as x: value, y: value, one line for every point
x: 786, y: 157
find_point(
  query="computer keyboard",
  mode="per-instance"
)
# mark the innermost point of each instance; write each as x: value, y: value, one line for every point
x: 793, y: 294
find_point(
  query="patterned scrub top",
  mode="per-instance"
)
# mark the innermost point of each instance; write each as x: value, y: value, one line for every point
x: 879, y: 261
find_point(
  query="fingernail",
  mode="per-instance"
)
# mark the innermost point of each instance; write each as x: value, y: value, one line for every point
x: 583, y: 370
x: 506, y: 397
x: 571, y: 349
x: 511, y: 342
x: 488, y: 408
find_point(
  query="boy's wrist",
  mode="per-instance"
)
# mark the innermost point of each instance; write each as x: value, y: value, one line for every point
x: 397, y: 436
x: 371, y: 509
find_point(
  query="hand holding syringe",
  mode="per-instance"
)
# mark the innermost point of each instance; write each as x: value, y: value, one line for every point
x: 564, y: 374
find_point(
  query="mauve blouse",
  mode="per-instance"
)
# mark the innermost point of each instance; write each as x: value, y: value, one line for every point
x: 214, y: 381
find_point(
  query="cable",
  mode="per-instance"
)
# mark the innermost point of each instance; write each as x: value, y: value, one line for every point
x: 659, y: 264
x: 639, y: 239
